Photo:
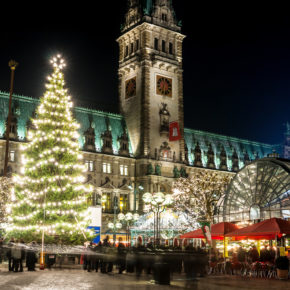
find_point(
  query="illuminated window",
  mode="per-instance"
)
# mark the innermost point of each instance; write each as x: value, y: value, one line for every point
x: 106, y: 201
x: 107, y: 167
x: 90, y: 165
x: 124, y: 170
x: 12, y: 156
x: 123, y: 202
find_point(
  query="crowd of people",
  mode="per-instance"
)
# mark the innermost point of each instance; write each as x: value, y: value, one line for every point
x: 243, y: 261
x: 267, y: 254
x: 104, y: 257
x: 16, y: 252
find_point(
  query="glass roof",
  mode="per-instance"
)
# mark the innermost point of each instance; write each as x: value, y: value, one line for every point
x: 264, y: 184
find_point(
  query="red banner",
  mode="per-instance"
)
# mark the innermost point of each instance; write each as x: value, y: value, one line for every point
x: 174, y: 132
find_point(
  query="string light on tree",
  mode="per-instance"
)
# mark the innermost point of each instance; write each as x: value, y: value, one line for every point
x: 50, y: 195
x: 197, y: 196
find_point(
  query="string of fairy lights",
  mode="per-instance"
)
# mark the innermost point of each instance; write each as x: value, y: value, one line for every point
x: 51, y: 184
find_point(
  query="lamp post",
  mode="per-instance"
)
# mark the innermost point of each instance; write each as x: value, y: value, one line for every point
x: 157, y: 202
x: 129, y: 218
x: 12, y: 64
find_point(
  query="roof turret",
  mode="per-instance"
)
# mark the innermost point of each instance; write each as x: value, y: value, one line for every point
x: 159, y: 12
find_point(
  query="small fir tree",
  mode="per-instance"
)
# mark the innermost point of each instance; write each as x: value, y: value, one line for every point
x: 50, y: 197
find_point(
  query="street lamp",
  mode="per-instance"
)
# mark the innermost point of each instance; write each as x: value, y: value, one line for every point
x: 116, y: 225
x: 157, y: 202
x: 128, y: 218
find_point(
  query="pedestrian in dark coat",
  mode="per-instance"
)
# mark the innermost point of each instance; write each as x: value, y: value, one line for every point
x: 98, y: 258
x: 105, y: 259
x: 121, y: 256
x: 31, y: 257
x: 90, y: 257
x: 9, y: 256
x: 22, y: 255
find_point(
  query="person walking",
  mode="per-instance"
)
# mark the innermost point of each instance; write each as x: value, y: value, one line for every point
x: 90, y: 257
x: 8, y: 254
x: 31, y: 257
x: 98, y: 259
x: 105, y: 258
x: 22, y: 245
x: 121, y: 256
x: 16, y: 256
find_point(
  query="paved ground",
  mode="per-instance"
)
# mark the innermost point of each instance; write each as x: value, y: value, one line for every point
x: 66, y: 279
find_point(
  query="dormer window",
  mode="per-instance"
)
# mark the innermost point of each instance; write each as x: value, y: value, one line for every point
x: 164, y: 17
x: 12, y: 128
x: 124, y: 147
x: 124, y: 144
x: 108, y: 144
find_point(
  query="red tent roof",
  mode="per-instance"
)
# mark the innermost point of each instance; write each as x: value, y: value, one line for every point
x: 266, y: 229
x: 218, y: 231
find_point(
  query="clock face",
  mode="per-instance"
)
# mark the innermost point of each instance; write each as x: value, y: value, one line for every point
x: 164, y: 86
x: 130, y: 88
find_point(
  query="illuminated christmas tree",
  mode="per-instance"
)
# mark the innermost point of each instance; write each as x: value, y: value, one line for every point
x: 50, y: 197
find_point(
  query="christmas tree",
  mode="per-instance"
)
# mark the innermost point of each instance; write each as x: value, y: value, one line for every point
x: 49, y: 197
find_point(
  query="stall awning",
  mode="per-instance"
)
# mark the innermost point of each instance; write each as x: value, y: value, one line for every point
x: 218, y: 231
x: 265, y: 230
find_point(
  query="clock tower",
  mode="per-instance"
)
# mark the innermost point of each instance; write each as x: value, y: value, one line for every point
x: 150, y: 79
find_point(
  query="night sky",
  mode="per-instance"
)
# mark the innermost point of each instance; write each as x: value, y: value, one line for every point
x: 236, y: 62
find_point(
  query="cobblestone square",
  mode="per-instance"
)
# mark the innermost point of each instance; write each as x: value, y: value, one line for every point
x: 68, y: 279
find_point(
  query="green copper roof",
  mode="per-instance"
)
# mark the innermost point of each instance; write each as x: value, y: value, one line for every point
x: 25, y: 106
x: 241, y: 146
